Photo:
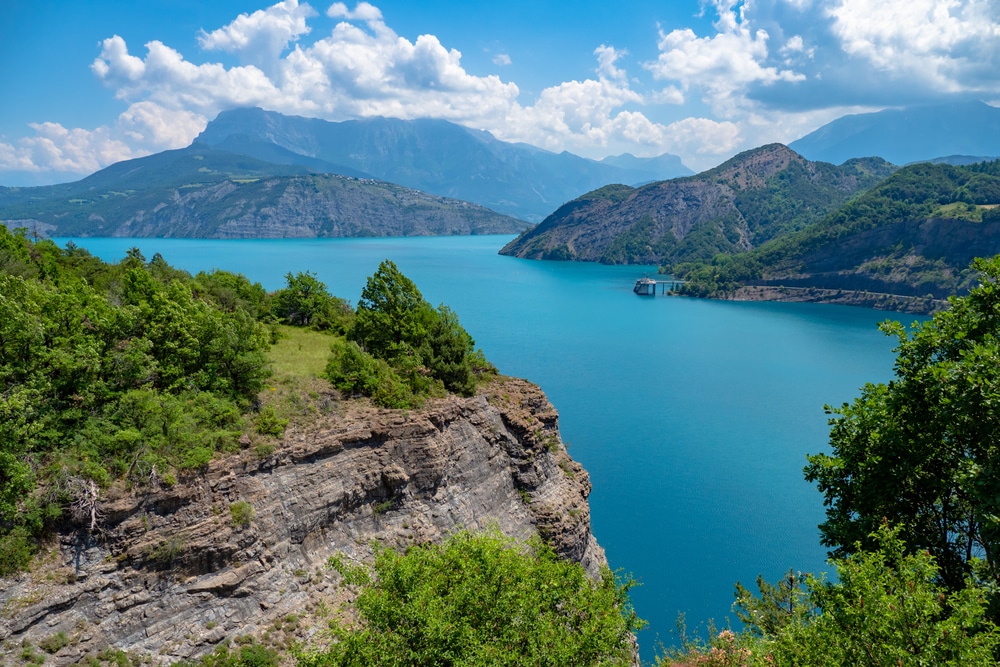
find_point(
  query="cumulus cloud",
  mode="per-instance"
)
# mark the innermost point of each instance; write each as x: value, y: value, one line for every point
x: 259, y: 38
x: 363, y: 68
x: 721, y: 66
x: 769, y: 70
x: 947, y: 45
x: 142, y: 129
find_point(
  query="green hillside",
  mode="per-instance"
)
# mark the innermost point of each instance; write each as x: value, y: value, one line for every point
x: 915, y: 234
x: 200, y: 192
x: 749, y: 200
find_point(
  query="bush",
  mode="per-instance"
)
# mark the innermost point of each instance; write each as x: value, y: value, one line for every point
x: 354, y: 371
x: 16, y: 551
x: 241, y: 513
x: 404, y: 348
x: 268, y: 423
x: 482, y: 600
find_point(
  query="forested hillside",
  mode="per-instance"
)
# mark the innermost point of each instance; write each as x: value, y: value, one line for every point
x: 915, y: 235
x: 134, y: 373
x: 201, y: 192
x: 754, y: 197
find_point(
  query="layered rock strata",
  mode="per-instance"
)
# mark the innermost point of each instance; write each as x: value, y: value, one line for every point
x: 239, y: 549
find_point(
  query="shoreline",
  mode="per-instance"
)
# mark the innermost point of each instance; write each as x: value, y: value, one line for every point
x: 912, y: 305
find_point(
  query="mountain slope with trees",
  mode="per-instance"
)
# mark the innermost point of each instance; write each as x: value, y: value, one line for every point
x: 201, y: 192
x: 750, y: 199
x: 915, y: 235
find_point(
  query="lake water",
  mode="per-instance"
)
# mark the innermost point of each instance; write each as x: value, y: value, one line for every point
x: 693, y: 417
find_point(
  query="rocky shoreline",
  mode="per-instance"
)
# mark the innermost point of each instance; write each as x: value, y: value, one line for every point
x: 912, y: 305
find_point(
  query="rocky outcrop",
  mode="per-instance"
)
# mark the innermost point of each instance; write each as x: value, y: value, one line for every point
x: 875, y: 300
x: 239, y: 548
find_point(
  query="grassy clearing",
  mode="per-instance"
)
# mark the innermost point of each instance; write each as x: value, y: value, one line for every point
x: 300, y: 353
x: 960, y: 211
x: 296, y: 391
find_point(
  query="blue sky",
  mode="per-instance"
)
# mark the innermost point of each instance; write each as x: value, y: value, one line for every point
x: 88, y: 84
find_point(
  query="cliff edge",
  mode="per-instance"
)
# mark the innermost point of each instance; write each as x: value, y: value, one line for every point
x: 238, y: 549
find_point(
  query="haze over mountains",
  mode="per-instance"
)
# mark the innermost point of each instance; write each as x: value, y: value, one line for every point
x: 435, y: 156
x: 913, y: 134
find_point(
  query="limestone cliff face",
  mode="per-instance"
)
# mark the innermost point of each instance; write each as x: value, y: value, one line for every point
x: 171, y: 573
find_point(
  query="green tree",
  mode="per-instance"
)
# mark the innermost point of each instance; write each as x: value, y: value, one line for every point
x: 887, y: 608
x: 923, y: 451
x: 482, y: 600
x: 392, y: 317
x: 425, y: 347
x: 305, y: 301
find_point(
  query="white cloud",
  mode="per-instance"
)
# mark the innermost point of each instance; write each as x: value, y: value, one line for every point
x: 142, y: 129
x: 363, y: 68
x: 362, y: 12
x: 944, y: 44
x: 723, y: 65
x: 259, y: 38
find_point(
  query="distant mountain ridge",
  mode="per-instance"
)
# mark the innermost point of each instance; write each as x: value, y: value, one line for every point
x: 202, y: 192
x: 435, y: 156
x: 903, y: 136
x: 744, y: 202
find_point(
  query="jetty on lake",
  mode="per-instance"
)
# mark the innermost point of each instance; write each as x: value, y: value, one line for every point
x: 646, y: 286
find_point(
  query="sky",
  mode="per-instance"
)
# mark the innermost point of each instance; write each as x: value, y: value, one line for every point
x: 87, y: 84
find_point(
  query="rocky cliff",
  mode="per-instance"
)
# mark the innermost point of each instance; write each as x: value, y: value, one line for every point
x: 173, y: 570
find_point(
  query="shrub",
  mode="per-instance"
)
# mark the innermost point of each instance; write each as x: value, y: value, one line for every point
x: 241, y: 513
x: 268, y: 423
x: 478, y: 600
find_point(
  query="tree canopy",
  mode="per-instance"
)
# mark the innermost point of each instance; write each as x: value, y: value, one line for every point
x: 923, y: 451
x: 108, y: 371
x: 400, y: 348
x: 482, y: 600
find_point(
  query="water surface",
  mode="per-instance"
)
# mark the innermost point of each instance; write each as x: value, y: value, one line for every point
x: 693, y: 417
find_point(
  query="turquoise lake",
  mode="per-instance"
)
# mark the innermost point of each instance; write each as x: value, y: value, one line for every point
x: 693, y: 417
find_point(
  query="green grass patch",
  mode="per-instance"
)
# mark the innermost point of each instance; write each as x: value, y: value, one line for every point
x: 959, y: 211
x: 300, y: 353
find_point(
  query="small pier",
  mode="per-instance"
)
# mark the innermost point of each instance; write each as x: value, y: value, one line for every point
x: 647, y: 286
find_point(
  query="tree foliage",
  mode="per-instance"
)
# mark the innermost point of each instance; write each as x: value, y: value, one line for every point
x: 885, y: 607
x: 108, y: 371
x: 922, y: 451
x: 401, y: 348
x: 482, y: 600
x: 305, y: 301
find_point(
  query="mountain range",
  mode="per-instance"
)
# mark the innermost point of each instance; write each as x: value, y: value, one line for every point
x: 912, y: 134
x: 435, y: 156
x: 748, y: 200
x: 205, y: 192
